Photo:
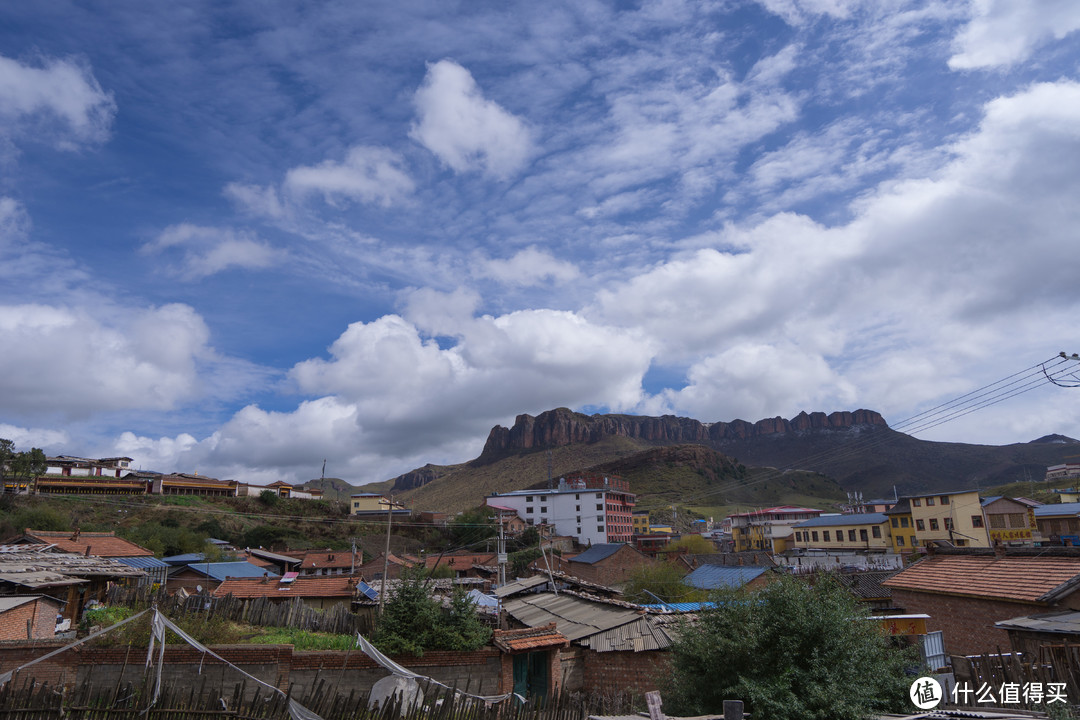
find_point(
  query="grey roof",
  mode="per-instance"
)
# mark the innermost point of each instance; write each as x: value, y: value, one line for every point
x: 521, y: 585
x: 574, y: 617
x: 598, y: 552
x: 850, y: 519
x: 1065, y: 623
x: 10, y: 603
x: 713, y: 577
x: 42, y: 569
x: 646, y: 633
x: 992, y: 498
x: 867, y: 585
x: 759, y: 558
x: 185, y: 559
x: 1058, y: 509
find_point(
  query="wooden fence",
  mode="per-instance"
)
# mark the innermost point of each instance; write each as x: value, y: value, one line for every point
x: 35, y: 701
x: 253, y: 611
x: 1053, y: 663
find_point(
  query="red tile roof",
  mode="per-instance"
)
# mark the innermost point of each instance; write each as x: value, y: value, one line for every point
x: 99, y: 544
x: 460, y: 560
x: 514, y: 641
x: 304, y: 587
x: 330, y: 559
x: 1019, y: 579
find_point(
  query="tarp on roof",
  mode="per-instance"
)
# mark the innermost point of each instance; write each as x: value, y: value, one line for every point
x: 714, y: 577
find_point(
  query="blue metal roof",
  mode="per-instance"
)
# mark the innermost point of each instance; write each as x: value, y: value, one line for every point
x: 597, y: 553
x: 681, y: 607
x: 851, y: 519
x: 143, y: 563
x: 714, y: 577
x: 221, y: 570
x: 992, y: 498
x: 1059, y: 509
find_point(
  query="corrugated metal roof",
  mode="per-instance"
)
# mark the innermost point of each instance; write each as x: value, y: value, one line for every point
x: 1059, y: 509
x: 221, y: 570
x: 520, y: 585
x: 575, y: 617
x: 849, y: 519
x: 713, y: 577
x: 1067, y: 623
x: 185, y: 559
x: 10, y: 603
x: 637, y: 636
x: 143, y: 563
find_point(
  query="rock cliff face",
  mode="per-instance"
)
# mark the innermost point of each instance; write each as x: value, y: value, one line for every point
x: 564, y: 427
x: 418, y: 478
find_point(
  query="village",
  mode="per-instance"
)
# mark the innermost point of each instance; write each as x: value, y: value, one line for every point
x: 982, y: 590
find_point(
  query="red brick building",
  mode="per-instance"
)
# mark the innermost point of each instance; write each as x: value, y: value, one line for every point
x: 606, y: 564
x: 28, y: 617
x: 966, y: 592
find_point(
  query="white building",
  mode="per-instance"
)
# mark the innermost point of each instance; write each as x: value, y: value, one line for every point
x: 594, y: 509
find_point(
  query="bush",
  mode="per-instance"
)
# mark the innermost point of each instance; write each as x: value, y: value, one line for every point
x: 790, y: 650
x: 413, y: 621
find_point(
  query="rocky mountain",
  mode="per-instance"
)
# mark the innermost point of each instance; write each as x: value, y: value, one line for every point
x: 857, y: 450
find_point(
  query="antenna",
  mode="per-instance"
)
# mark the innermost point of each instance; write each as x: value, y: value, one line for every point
x: 324, y: 469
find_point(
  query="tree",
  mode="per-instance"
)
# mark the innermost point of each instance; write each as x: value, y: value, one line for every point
x: 473, y: 526
x: 693, y: 544
x: 662, y: 581
x: 413, y: 621
x: 790, y: 650
x: 25, y: 465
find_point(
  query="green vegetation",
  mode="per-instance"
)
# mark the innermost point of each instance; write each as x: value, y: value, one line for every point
x: 694, y: 544
x: 304, y: 640
x: 413, y: 621
x: 663, y: 581
x: 790, y: 650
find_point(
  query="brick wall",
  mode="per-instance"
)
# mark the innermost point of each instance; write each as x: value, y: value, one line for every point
x: 40, y: 613
x: 967, y: 623
x: 635, y: 673
x: 612, y: 570
x: 277, y: 665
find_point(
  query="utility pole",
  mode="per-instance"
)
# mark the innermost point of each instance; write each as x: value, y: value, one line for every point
x: 386, y: 554
x: 502, y: 548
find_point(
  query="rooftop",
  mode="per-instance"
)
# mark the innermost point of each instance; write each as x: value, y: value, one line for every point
x: 598, y: 552
x: 1069, y: 509
x: 851, y: 519
x: 1019, y: 578
x: 312, y: 587
x: 89, y: 543
x: 714, y: 577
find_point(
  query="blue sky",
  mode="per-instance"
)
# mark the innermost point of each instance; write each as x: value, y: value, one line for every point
x: 241, y: 239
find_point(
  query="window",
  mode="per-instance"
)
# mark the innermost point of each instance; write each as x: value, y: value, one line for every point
x: 944, y: 499
x: 948, y: 523
x: 1017, y: 520
x: 976, y: 521
x: 813, y: 533
x: 851, y: 535
x: 904, y: 522
x: 913, y: 542
x: 933, y: 524
x: 528, y: 498
x: 895, y: 522
x: 877, y: 531
x: 899, y: 540
x: 599, y: 528
x: 543, y: 508
x: 528, y: 508
x: 578, y: 508
x: 826, y: 537
x: 599, y: 506
x: 916, y: 502
x: 961, y: 543
x: 599, y: 495
x: 864, y: 536
x: 997, y: 521
x: 577, y: 496
x: 920, y: 525
x: 929, y: 502
x: 798, y: 536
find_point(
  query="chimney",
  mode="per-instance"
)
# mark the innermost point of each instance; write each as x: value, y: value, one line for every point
x: 75, y: 534
x: 999, y: 549
x: 87, y: 551
x: 266, y: 577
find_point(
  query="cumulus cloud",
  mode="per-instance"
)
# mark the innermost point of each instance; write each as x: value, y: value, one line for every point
x: 60, y: 101
x: 64, y: 361
x: 205, y: 251
x: 466, y: 130
x: 26, y: 438
x: 929, y: 275
x: 367, y: 175
x: 1002, y: 33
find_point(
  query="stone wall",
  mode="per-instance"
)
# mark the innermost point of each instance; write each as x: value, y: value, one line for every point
x: 634, y: 673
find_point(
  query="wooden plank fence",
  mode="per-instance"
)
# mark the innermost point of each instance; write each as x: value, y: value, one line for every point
x: 253, y: 611
x: 1055, y: 663
x: 36, y: 701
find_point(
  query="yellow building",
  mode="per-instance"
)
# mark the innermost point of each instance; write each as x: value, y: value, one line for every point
x: 862, y: 531
x: 955, y: 517
x: 902, y: 527
x: 640, y: 522
x: 771, y: 529
x: 370, y: 503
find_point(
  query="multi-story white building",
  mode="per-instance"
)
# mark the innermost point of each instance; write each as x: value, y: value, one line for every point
x: 592, y: 508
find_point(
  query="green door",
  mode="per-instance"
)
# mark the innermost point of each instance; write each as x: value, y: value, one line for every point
x: 531, y: 674
x: 521, y: 675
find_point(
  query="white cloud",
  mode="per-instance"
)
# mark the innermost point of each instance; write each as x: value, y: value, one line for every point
x: 206, y: 251
x: 257, y: 200
x: 368, y: 175
x: 1002, y: 33
x: 26, y: 438
x: 466, y: 130
x: 528, y: 267
x: 64, y: 361
x: 60, y: 102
